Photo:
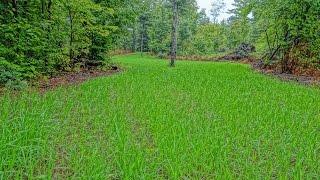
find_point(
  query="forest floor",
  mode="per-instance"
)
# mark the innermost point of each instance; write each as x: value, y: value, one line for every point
x: 306, y: 76
x: 65, y: 79
x: 309, y: 80
x: 199, y: 120
x: 72, y: 78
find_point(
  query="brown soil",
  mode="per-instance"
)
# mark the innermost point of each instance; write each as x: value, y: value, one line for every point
x: 72, y: 78
x: 193, y: 58
x: 306, y: 76
x: 246, y: 60
x: 67, y: 78
x: 120, y: 52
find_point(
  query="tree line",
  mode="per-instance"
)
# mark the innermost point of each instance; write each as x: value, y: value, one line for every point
x: 285, y: 32
x: 43, y: 37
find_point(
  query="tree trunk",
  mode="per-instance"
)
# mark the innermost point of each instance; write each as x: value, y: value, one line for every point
x: 42, y: 6
x: 92, y: 51
x: 142, y: 39
x: 49, y: 9
x: 174, y: 33
x: 49, y: 14
x: 134, y: 39
x: 71, y: 36
x: 15, y: 8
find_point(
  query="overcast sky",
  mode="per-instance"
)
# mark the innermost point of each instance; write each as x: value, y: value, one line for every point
x: 207, y: 5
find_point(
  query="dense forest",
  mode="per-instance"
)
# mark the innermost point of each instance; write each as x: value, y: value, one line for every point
x: 40, y: 38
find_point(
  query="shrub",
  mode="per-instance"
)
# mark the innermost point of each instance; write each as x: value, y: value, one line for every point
x: 17, y: 84
x: 10, y: 76
x: 161, y: 55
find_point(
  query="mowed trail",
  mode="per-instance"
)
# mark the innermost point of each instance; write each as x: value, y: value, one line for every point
x: 197, y: 120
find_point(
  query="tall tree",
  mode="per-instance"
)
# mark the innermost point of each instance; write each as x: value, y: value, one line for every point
x: 42, y: 37
x: 217, y: 8
x: 174, y: 32
x: 203, y: 17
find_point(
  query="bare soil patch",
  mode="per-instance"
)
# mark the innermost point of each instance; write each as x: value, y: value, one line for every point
x: 120, y: 52
x: 71, y: 78
x: 306, y: 76
x: 67, y: 78
x: 244, y: 60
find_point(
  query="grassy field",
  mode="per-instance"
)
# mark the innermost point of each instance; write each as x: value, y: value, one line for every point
x: 198, y: 120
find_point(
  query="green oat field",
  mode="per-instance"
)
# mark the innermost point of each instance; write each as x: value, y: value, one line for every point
x: 199, y: 120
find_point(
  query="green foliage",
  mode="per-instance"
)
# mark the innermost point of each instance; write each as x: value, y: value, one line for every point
x: 159, y: 30
x: 11, y: 76
x: 238, y: 32
x: 16, y: 84
x: 46, y: 37
x: 161, y: 55
x: 208, y: 39
x: 217, y: 7
x: 292, y: 27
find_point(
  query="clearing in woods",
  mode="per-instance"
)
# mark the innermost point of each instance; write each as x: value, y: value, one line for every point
x: 198, y: 120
